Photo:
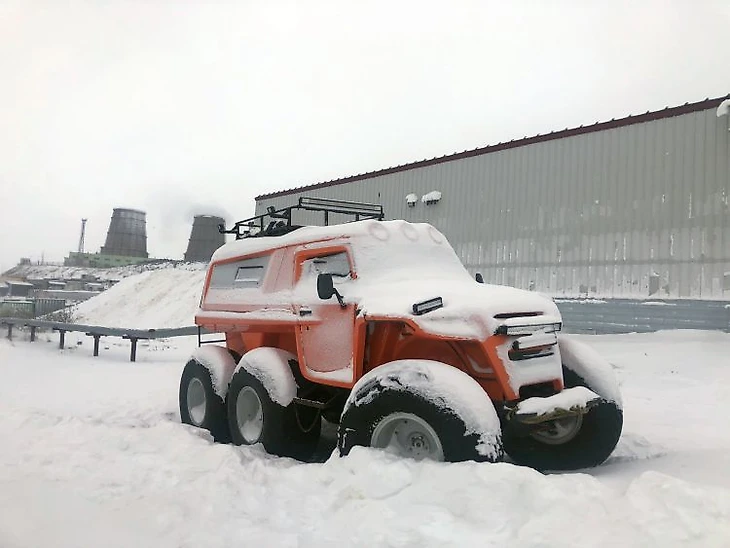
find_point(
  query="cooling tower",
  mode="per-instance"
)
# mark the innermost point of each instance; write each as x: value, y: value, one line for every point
x: 127, y: 235
x: 204, y: 238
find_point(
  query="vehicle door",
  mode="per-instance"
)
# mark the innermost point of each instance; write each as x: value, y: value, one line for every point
x: 325, y: 337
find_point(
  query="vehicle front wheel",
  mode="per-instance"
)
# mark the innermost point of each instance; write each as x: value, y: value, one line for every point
x: 254, y: 417
x: 570, y: 443
x: 390, y: 409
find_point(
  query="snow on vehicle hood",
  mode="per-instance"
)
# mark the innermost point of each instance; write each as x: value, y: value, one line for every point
x: 469, y: 307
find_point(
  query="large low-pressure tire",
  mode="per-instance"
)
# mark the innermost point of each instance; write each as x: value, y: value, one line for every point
x: 386, y: 413
x: 253, y: 417
x: 584, y: 443
x: 200, y: 405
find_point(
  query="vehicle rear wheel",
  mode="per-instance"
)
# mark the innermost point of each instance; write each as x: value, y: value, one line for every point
x: 570, y: 443
x: 199, y: 404
x: 255, y: 418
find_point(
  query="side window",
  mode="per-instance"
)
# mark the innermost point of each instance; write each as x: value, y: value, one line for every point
x: 246, y: 273
x: 249, y: 276
x: 336, y: 264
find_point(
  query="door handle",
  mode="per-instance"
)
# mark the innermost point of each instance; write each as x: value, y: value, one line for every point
x: 304, y: 311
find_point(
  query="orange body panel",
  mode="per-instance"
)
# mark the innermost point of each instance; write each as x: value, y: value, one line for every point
x: 336, y: 346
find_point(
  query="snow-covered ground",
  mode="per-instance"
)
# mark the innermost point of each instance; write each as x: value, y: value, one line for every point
x: 92, y: 453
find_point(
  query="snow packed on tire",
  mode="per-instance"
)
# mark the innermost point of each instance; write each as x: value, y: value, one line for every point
x: 271, y: 367
x: 219, y: 362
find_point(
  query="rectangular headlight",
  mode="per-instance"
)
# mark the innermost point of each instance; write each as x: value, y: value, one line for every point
x: 427, y: 306
x: 516, y: 330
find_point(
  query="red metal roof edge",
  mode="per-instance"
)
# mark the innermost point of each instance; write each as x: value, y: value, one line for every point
x: 648, y: 116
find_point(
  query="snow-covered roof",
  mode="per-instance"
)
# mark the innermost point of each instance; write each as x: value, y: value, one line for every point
x: 373, y: 231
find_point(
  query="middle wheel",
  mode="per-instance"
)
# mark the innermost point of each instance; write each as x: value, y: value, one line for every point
x: 254, y: 417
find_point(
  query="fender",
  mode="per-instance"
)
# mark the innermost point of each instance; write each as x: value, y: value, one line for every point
x: 219, y: 363
x: 271, y: 367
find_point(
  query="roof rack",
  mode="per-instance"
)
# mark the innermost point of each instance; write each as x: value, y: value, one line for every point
x: 280, y: 220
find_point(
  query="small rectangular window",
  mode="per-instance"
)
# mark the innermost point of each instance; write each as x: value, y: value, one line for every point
x: 249, y: 275
x: 239, y: 274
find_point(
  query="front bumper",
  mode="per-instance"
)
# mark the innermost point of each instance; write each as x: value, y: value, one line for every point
x: 533, y: 412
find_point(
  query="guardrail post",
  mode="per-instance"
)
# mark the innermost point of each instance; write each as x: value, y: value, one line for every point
x: 10, y: 332
x: 133, y: 353
x: 62, y: 341
x: 96, y: 342
x: 32, y: 333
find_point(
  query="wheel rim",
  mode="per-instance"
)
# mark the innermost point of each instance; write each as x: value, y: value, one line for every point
x: 560, y: 431
x: 197, y: 401
x: 407, y: 435
x: 249, y: 415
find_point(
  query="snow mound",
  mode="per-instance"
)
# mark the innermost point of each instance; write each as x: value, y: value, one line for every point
x: 633, y: 447
x: 159, y: 298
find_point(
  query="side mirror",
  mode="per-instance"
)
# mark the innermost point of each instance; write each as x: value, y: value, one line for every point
x: 325, y: 286
x: 479, y: 278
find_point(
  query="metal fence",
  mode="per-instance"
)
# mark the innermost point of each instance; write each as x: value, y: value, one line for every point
x: 47, y: 306
x: 97, y: 331
x: 16, y: 308
x: 30, y: 308
x: 632, y: 316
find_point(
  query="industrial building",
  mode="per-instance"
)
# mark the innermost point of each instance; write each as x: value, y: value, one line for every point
x: 634, y: 207
x: 126, y: 242
x: 205, y: 238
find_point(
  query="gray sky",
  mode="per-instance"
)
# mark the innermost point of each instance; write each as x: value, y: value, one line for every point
x: 191, y: 107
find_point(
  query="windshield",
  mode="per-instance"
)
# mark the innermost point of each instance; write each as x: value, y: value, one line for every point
x: 407, y: 260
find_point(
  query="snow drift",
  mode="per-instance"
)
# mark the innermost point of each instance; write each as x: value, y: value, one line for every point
x: 154, y: 299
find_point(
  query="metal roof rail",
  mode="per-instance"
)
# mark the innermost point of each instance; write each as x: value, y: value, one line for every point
x: 280, y: 220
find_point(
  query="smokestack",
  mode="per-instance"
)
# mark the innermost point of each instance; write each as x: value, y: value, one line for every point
x: 204, y: 238
x: 127, y: 235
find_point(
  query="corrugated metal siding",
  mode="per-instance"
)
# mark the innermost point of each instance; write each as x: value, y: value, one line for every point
x: 596, y: 214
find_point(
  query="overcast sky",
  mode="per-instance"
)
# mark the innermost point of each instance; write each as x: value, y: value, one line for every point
x: 184, y: 107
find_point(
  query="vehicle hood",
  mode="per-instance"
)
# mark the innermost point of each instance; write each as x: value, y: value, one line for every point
x: 469, y: 307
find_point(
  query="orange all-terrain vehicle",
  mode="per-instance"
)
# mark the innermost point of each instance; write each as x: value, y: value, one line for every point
x: 376, y: 326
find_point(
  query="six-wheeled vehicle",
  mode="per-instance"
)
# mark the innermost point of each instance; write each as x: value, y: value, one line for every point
x: 377, y: 327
